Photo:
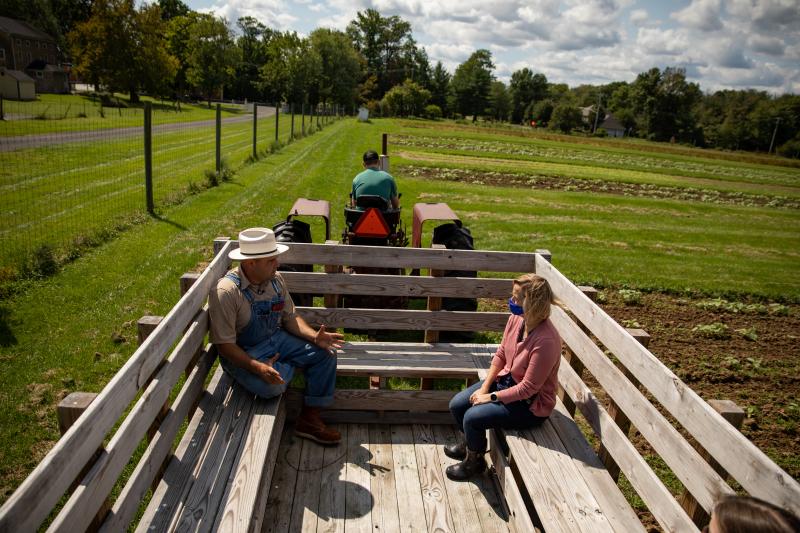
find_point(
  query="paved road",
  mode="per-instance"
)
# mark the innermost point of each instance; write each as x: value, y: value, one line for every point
x: 8, y: 144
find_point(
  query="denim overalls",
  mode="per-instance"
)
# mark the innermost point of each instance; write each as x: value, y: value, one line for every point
x: 263, y: 337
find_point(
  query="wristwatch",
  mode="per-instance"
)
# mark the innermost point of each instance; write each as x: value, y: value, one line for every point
x: 493, y: 397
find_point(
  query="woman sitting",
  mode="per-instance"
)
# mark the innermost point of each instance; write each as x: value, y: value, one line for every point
x: 520, y: 389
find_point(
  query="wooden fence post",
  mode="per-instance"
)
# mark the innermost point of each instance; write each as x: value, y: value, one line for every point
x: 434, y: 304
x: 255, y: 130
x: 218, y: 139
x: 616, y: 413
x: 733, y: 414
x: 148, y: 157
x: 332, y: 300
x: 573, y: 360
x: 72, y: 407
x: 69, y: 410
x: 292, y: 130
x: 277, y: 115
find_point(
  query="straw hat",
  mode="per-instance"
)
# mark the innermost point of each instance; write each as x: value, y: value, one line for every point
x: 255, y: 243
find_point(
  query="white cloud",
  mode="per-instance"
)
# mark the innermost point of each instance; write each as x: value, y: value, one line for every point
x: 703, y: 15
x: 766, y: 45
x: 662, y: 42
x: 640, y: 17
x: 720, y: 44
x: 272, y: 13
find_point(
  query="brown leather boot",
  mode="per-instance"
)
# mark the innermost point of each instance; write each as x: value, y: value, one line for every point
x: 310, y: 426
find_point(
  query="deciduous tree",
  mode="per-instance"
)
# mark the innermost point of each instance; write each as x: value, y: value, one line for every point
x: 123, y: 48
x: 472, y: 82
x: 212, y: 55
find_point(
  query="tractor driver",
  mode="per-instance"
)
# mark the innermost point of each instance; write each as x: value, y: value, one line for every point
x: 374, y: 181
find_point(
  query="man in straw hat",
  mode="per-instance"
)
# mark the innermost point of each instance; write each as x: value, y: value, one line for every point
x: 262, y: 340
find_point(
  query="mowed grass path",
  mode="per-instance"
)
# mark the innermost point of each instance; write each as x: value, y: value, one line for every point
x: 58, y: 336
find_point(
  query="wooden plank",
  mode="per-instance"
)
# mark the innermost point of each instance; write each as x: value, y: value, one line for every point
x: 705, y: 484
x: 88, y: 497
x: 518, y: 517
x: 331, y: 517
x: 358, y: 500
x: 127, y: 503
x: 393, y: 285
x: 434, y: 304
x: 583, y: 505
x: 407, y: 478
x: 211, y: 474
x: 305, y: 507
x: 385, y: 417
x: 751, y: 467
x: 281, y: 488
x: 431, y: 478
x: 399, y: 319
x: 392, y: 257
x: 32, y: 502
x: 171, y: 493
x: 385, y: 517
x: 463, y: 508
x: 247, y: 492
x: 655, y: 495
x: 545, y: 490
x: 733, y: 414
x: 616, y: 413
x: 331, y: 300
x: 384, y: 400
x: 605, y: 490
x: 575, y: 362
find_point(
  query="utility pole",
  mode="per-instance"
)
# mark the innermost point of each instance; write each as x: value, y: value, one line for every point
x: 597, y: 112
x: 774, y: 132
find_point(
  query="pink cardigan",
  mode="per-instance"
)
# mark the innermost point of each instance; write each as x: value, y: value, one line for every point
x: 533, y: 363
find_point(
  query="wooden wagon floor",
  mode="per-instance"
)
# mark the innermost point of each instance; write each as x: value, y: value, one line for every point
x: 380, y: 478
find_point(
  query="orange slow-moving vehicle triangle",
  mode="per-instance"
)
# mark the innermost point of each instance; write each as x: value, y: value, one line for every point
x: 371, y: 224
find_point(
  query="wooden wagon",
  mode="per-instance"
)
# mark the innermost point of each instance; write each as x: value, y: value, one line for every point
x: 171, y: 444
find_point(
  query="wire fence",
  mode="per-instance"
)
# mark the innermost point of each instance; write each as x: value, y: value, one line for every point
x: 73, y: 174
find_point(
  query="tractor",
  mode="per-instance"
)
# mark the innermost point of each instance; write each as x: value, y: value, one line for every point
x: 373, y: 222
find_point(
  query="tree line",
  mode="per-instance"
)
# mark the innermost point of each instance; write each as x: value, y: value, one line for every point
x: 165, y: 49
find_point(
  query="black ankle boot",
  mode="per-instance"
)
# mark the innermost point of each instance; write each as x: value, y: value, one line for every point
x: 457, y: 450
x: 472, y: 465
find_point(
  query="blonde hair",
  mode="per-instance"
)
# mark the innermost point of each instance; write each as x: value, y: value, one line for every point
x: 537, y: 298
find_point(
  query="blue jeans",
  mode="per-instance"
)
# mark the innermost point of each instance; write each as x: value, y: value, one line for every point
x: 474, y: 420
x: 318, y: 365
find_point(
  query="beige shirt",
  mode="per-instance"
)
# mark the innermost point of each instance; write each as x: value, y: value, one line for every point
x: 229, y: 308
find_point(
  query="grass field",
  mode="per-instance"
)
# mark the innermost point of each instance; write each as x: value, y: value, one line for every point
x: 63, y: 194
x: 52, y: 113
x: 74, y: 330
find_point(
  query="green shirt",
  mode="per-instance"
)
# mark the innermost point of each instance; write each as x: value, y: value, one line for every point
x: 375, y: 182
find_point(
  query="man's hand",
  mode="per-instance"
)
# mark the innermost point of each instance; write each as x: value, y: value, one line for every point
x: 330, y: 341
x: 265, y: 371
x: 478, y: 398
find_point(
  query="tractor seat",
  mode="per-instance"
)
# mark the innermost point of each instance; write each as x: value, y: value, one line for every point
x: 369, y: 200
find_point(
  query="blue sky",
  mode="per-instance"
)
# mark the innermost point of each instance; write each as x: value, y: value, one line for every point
x: 736, y: 44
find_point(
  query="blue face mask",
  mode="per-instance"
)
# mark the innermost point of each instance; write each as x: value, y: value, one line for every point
x: 513, y: 307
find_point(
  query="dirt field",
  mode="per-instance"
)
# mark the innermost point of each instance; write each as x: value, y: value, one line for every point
x: 762, y: 375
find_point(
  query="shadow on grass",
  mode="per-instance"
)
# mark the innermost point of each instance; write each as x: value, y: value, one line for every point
x: 159, y: 218
x: 7, y: 337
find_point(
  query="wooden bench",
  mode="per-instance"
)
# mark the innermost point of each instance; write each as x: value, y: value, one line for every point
x: 218, y: 476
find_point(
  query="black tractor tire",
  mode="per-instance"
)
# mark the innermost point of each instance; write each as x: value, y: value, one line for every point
x: 295, y: 231
x: 456, y: 237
